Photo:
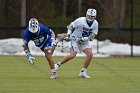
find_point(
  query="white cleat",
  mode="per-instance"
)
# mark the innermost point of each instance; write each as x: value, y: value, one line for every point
x: 31, y: 62
x: 53, y: 75
x: 84, y: 74
x: 57, y: 66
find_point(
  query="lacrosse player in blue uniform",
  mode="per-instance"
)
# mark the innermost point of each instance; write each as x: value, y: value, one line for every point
x: 44, y: 38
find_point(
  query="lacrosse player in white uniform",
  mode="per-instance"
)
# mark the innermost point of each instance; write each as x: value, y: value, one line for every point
x: 80, y: 32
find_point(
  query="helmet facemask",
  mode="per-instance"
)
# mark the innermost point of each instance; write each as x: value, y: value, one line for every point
x: 90, y: 18
x: 33, y: 25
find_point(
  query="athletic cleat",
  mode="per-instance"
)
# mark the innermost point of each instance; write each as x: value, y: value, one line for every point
x: 31, y: 62
x: 57, y: 66
x: 53, y: 75
x: 83, y: 74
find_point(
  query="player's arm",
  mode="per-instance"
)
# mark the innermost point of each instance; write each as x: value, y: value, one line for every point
x: 54, y: 43
x: 26, y: 48
x: 28, y: 53
x: 70, y: 28
x: 52, y: 35
x: 94, y: 32
x: 25, y: 40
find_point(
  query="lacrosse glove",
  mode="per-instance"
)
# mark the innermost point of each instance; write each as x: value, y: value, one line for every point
x: 54, y: 42
x: 30, y: 57
x: 68, y: 37
x: 80, y: 40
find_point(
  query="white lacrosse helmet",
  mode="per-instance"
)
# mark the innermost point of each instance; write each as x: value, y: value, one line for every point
x: 33, y: 25
x: 91, y: 14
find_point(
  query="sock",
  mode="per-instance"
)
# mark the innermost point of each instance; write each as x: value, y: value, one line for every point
x: 59, y: 64
x: 53, y: 71
x: 83, y: 70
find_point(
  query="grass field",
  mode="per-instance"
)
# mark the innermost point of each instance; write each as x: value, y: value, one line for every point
x: 109, y: 75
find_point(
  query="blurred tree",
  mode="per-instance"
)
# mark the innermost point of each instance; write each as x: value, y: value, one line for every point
x: 113, y: 12
x: 23, y: 13
x: 122, y: 12
x: 64, y: 8
x: 119, y: 12
x: 61, y: 12
x: 79, y: 7
x: 2, y: 12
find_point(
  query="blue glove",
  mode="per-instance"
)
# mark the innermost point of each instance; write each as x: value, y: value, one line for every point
x: 80, y: 40
x: 30, y: 57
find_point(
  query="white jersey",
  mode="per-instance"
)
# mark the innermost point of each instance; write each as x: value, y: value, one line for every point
x: 82, y: 29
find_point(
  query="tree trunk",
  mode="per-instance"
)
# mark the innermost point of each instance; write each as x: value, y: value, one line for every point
x: 79, y: 7
x: 122, y: 12
x: 23, y: 14
x: 64, y: 8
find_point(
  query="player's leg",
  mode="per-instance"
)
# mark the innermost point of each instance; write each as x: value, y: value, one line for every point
x: 71, y: 55
x: 52, y: 49
x: 48, y: 49
x: 88, y: 51
x: 83, y: 71
x: 48, y: 55
x: 89, y: 55
x: 66, y: 59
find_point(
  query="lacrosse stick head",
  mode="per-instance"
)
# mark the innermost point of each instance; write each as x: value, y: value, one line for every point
x: 61, y: 36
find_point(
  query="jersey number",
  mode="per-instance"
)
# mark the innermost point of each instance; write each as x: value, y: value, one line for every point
x: 86, y: 33
x: 39, y: 40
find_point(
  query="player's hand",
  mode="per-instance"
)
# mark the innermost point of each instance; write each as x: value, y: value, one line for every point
x: 30, y: 58
x: 68, y: 37
x: 54, y: 43
x: 80, y: 40
x: 91, y: 36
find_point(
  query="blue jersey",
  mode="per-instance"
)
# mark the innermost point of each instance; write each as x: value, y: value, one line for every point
x: 41, y: 39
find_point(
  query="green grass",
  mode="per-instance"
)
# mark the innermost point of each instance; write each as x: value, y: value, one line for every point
x: 109, y: 75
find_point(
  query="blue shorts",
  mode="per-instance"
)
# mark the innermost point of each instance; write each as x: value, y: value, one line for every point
x: 47, y: 44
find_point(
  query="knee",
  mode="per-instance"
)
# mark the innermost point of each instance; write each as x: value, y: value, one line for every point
x: 90, y: 55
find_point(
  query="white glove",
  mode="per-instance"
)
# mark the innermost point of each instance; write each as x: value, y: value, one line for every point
x: 30, y: 57
x: 53, y: 39
x: 68, y: 37
x: 80, y: 40
x: 91, y: 36
x: 54, y: 43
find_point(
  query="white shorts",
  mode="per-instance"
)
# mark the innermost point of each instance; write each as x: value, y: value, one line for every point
x: 79, y: 47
